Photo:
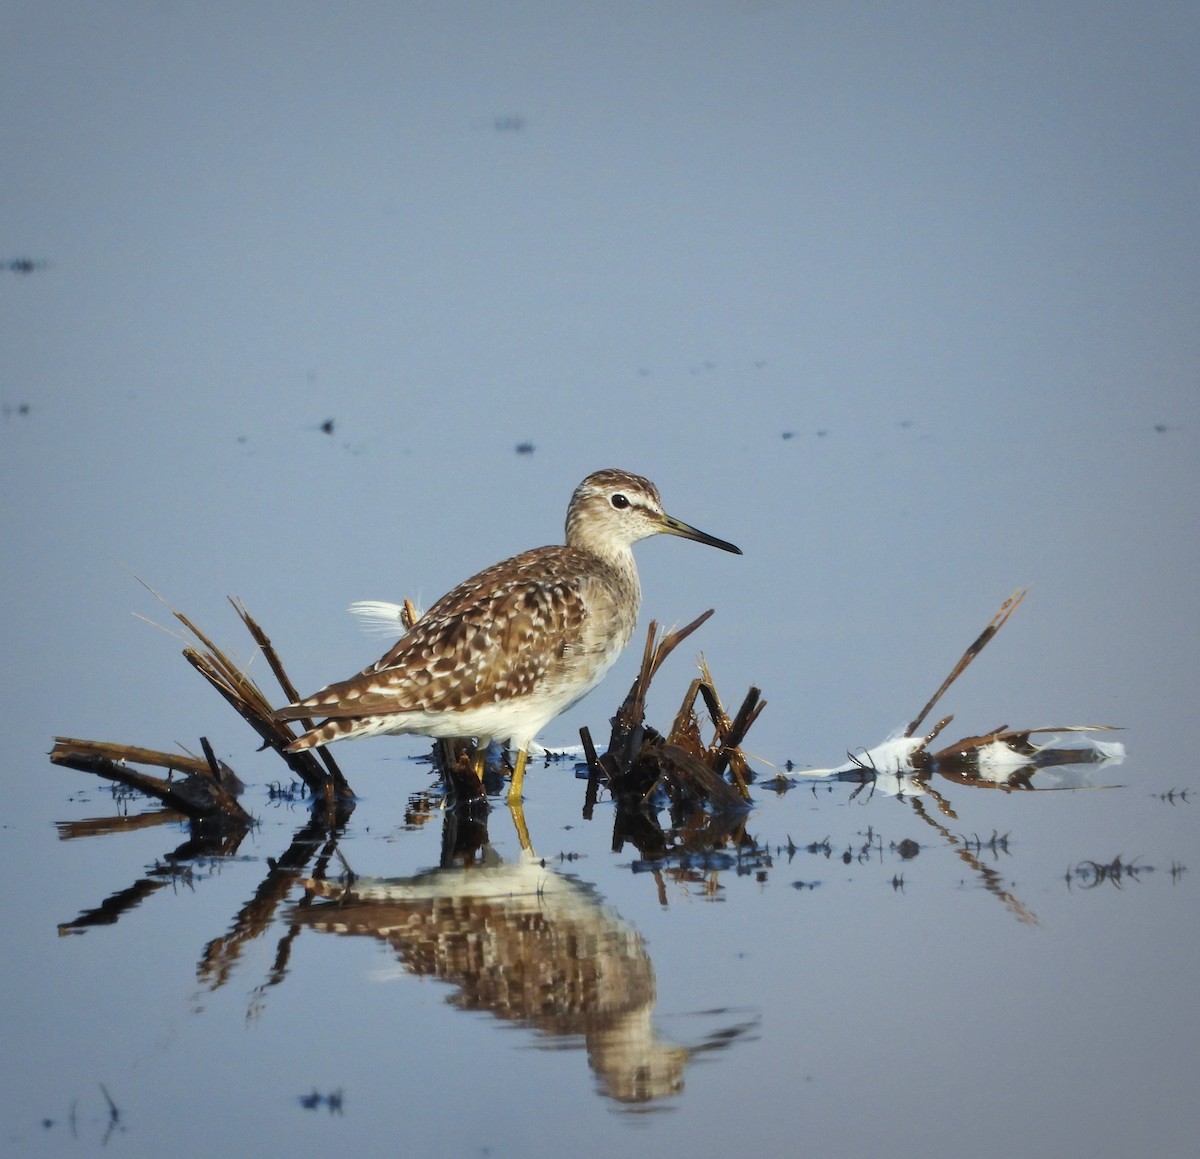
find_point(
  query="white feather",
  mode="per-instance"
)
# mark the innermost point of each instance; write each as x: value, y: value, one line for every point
x: 379, y: 617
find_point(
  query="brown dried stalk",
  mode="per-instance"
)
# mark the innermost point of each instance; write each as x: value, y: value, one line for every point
x: 205, y: 791
x: 638, y: 759
x: 998, y: 621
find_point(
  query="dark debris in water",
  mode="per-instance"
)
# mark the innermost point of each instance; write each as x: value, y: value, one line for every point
x: 109, y: 1122
x: 24, y: 266
x: 315, y: 1100
x: 1175, y: 797
x: 1117, y: 872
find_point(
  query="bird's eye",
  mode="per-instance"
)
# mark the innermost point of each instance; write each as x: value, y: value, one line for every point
x: 620, y: 502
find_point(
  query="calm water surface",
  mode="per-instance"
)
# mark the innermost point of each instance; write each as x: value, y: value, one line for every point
x: 871, y: 971
x: 900, y: 300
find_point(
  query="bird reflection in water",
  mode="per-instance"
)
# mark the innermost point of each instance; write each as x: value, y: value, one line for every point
x: 531, y: 946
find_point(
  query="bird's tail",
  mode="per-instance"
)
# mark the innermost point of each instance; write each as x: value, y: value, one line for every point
x: 327, y: 732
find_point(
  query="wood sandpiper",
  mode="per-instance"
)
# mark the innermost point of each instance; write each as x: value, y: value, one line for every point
x: 506, y: 651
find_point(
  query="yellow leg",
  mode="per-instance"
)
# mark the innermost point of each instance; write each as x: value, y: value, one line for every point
x: 479, y: 764
x: 518, y: 779
x: 518, y: 815
x: 514, y: 802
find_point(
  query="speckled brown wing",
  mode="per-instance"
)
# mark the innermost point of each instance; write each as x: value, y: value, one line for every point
x: 497, y: 636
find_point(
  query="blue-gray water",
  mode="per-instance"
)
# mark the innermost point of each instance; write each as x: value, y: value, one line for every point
x: 901, y: 299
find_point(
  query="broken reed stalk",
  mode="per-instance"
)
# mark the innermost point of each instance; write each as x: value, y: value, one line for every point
x: 627, y: 730
x: 454, y: 759
x: 708, y: 784
x: 638, y: 759
x: 204, y: 792
x: 593, y: 781
x: 730, y: 753
x: 730, y: 733
x: 998, y: 621
x: 267, y: 648
x: 320, y: 773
